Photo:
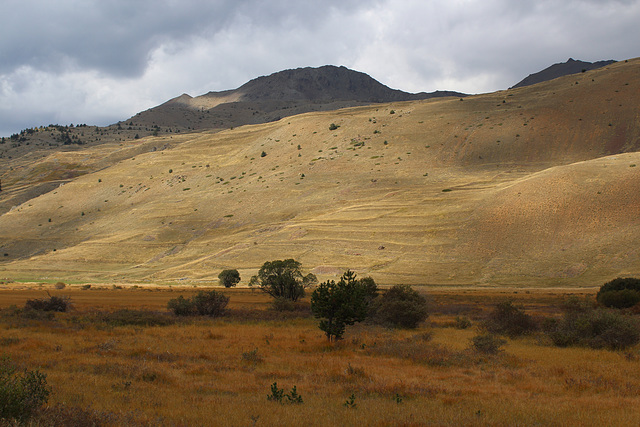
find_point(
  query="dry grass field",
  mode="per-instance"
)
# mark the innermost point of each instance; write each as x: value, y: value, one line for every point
x: 219, y: 371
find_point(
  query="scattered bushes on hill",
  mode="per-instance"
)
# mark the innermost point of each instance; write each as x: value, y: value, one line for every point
x: 53, y: 303
x: 620, y: 293
x: 401, y: 306
x: 22, y: 392
x: 584, y: 325
x: 209, y: 303
x: 507, y: 319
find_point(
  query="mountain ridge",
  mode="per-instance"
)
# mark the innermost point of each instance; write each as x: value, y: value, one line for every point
x: 571, y: 66
x: 281, y: 94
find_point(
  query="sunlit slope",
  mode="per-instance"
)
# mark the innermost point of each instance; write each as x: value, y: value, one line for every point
x: 497, y: 188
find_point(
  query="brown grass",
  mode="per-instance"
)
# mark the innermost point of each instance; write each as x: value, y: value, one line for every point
x: 219, y: 371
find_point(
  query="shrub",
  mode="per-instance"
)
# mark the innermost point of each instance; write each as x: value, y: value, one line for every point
x: 462, y: 322
x: 60, y: 285
x: 126, y: 317
x: 181, y: 306
x: 283, y: 304
x: 507, y: 319
x: 229, y: 278
x: 209, y: 303
x: 278, y: 395
x: 620, y: 293
x: 53, y: 303
x: 21, y: 392
x: 487, y: 344
x: 583, y: 325
x: 401, y: 306
x: 333, y: 126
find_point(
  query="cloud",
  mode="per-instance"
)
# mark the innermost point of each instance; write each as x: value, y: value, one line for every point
x: 98, y: 62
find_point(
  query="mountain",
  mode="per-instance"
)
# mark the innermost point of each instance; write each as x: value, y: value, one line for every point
x: 534, y: 187
x: 561, y: 69
x: 278, y: 95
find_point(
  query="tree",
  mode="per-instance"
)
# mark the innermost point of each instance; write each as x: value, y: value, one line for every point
x: 229, y: 278
x: 283, y: 279
x: 340, y: 304
x: 401, y: 306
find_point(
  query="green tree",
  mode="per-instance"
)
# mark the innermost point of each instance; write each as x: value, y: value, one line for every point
x: 283, y: 279
x: 339, y: 304
x: 229, y: 278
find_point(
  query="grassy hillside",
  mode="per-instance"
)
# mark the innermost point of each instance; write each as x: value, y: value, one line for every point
x: 534, y: 186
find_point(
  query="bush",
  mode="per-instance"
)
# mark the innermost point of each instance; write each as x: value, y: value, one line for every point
x: 583, y: 325
x: 60, y: 285
x: 209, y: 303
x: 401, y: 306
x: 181, y: 306
x: 283, y: 304
x: 462, y: 322
x: 487, y: 344
x: 620, y: 293
x: 229, y: 278
x: 507, y: 319
x: 127, y: 317
x: 21, y: 392
x: 53, y: 303
x: 333, y: 126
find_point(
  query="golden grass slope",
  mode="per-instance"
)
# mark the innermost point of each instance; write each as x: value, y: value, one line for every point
x: 532, y: 186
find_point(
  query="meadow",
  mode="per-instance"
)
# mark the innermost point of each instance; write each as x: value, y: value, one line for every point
x: 119, y: 357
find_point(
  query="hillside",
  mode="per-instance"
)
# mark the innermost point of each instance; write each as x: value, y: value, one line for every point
x: 532, y: 186
x: 261, y: 100
x: 560, y: 69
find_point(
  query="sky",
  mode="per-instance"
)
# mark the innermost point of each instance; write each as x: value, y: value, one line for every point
x: 102, y: 61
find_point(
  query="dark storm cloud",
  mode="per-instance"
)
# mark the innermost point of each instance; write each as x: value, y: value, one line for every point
x: 117, y: 37
x: 99, y: 62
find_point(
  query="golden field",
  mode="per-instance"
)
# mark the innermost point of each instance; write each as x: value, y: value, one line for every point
x: 219, y: 371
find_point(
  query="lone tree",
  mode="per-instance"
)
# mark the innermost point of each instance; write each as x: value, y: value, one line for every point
x: 229, y: 278
x: 283, y: 279
x: 341, y: 304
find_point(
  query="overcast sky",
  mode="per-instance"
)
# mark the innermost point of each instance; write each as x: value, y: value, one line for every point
x: 101, y: 61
